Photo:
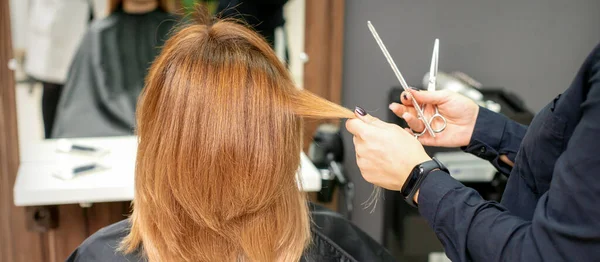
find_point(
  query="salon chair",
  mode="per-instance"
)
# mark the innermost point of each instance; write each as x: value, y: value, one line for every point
x: 405, y: 231
x: 327, y: 154
x: 344, y: 240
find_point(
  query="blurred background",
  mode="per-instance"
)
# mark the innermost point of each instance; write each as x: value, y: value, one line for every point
x: 75, y: 68
x: 46, y: 36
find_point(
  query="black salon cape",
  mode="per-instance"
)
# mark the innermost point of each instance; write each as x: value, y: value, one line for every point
x: 263, y: 15
x: 334, y: 239
x: 107, y: 74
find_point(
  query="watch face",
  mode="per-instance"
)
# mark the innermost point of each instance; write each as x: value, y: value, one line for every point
x: 412, y: 180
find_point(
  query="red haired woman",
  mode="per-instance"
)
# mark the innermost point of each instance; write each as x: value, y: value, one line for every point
x: 220, y: 130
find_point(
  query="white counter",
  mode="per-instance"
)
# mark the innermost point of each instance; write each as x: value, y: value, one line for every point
x: 35, y: 184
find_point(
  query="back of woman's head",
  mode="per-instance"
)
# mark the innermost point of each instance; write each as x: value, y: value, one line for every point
x: 219, y: 126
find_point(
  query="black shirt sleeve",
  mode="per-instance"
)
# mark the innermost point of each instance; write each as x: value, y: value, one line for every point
x: 565, y: 224
x: 495, y: 135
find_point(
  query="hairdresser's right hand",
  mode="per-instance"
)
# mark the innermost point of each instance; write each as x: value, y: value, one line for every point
x: 460, y: 112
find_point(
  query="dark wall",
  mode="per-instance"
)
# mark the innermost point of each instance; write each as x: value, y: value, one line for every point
x: 532, y: 48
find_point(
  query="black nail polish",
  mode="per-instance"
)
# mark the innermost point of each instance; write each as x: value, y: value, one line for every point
x: 360, y: 111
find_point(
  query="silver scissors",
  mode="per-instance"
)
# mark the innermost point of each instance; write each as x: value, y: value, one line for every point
x: 433, y: 69
x: 404, y: 85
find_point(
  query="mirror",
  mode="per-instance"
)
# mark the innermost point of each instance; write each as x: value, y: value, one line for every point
x: 47, y: 35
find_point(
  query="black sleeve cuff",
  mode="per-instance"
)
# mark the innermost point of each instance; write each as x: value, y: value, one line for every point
x: 487, y: 135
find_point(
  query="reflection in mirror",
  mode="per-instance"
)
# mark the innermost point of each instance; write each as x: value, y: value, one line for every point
x: 81, y: 63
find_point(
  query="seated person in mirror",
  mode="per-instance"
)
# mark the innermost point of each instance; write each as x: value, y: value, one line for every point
x: 107, y: 73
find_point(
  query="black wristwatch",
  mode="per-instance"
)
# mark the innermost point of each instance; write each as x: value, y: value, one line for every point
x: 416, y: 177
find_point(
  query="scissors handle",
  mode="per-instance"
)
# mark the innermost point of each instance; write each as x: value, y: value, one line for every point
x: 437, y: 115
x: 430, y: 122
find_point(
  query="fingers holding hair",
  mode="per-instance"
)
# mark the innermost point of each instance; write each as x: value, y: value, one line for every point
x: 369, y: 119
x: 364, y: 124
x: 358, y: 128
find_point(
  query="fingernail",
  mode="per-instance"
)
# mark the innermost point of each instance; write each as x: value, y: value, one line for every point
x: 391, y: 106
x: 359, y: 110
x: 404, y: 96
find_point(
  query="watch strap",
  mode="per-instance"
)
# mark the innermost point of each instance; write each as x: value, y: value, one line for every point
x: 415, y: 179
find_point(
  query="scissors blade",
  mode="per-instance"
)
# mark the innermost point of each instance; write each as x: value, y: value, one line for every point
x: 433, y: 68
x: 399, y: 76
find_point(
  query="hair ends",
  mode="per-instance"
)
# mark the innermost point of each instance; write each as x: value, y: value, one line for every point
x: 307, y: 104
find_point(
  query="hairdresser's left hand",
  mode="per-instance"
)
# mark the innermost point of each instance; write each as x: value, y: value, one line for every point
x: 385, y: 153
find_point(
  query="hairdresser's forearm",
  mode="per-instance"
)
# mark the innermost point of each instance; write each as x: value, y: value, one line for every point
x: 496, y: 139
x: 504, y: 159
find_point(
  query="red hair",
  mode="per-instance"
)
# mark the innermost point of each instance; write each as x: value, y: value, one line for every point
x: 220, y: 129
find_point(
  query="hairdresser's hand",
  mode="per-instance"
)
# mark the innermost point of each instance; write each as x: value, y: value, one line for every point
x: 385, y: 153
x: 460, y: 112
